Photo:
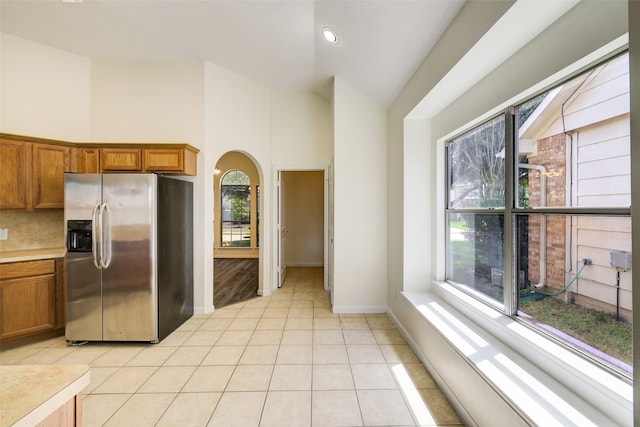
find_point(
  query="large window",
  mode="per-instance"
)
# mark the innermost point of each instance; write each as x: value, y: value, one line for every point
x: 236, y: 209
x: 538, y: 212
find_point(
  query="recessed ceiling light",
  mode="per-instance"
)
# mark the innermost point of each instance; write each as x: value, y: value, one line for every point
x: 330, y: 35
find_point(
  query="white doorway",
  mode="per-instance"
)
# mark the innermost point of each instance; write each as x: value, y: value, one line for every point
x: 301, y: 222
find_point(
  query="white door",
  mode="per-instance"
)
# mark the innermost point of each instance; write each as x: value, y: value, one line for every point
x: 281, y: 230
x: 329, y: 233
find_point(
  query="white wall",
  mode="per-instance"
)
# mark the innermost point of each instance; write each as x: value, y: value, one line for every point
x: 44, y: 92
x: 147, y: 102
x: 301, y: 131
x: 360, y: 202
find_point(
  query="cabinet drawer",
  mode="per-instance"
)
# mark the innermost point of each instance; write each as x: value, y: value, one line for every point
x: 27, y: 268
x: 120, y: 159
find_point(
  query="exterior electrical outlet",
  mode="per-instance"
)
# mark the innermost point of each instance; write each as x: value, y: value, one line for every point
x: 621, y: 260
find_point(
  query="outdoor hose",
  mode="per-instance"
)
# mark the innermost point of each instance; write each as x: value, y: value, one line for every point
x: 553, y: 294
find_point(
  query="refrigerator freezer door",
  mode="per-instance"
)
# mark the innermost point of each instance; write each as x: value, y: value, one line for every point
x: 83, y: 292
x: 128, y: 220
x: 175, y: 253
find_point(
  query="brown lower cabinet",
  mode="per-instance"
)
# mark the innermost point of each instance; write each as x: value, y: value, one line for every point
x: 68, y: 415
x: 31, y: 297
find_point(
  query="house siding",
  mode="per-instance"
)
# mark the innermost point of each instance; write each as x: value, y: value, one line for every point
x: 601, y: 173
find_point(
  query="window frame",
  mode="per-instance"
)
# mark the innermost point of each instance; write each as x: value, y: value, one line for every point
x: 508, y: 200
x: 511, y: 210
x: 223, y: 221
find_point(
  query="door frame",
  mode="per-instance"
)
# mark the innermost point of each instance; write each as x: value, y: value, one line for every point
x: 275, y: 228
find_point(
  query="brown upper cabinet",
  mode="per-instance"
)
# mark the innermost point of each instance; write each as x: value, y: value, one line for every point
x: 49, y: 163
x: 32, y: 169
x: 170, y: 160
x: 13, y: 174
x: 87, y: 160
x: 162, y: 158
x: 120, y: 159
x: 32, y: 175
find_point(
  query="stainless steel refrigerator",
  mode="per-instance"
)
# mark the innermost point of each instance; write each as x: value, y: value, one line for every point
x: 129, y: 261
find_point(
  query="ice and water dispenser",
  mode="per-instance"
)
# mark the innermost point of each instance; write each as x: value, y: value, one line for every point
x: 79, y: 236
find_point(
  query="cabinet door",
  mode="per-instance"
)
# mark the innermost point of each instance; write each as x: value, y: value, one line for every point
x: 120, y: 159
x: 170, y: 160
x: 163, y: 160
x: 28, y: 305
x: 88, y: 160
x: 49, y: 164
x: 13, y: 174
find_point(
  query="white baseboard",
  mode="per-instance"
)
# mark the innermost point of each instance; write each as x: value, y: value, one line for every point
x: 265, y: 292
x: 203, y: 309
x: 359, y: 309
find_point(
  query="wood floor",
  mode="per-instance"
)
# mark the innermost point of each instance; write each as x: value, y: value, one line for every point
x: 234, y: 280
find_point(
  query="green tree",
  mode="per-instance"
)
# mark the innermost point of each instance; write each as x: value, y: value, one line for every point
x: 477, y: 164
x: 239, y: 208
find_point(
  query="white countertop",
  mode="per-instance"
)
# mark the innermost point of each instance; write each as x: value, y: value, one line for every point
x: 31, y: 254
x: 30, y: 393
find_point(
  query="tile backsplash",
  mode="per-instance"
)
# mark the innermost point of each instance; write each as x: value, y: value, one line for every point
x: 32, y: 230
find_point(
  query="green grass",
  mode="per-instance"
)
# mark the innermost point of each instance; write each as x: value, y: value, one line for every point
x: 237, y: 244
x: 460, y: 225
x: 595, y: 328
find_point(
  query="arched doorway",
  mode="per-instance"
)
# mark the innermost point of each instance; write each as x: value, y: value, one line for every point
x: 236, y: 229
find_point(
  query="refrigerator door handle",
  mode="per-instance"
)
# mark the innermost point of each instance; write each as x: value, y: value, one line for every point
x: 95, y: 240
x: 101, y: 258
x: 105, y: 259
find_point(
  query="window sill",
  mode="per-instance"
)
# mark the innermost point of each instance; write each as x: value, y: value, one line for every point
x: 542, y: 380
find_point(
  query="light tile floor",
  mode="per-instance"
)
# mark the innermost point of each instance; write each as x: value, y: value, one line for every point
x: 282, y: 360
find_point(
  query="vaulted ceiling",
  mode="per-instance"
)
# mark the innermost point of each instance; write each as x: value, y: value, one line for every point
x: 279, y: 43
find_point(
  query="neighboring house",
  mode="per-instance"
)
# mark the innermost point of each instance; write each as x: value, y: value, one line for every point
x: 579, y: 139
